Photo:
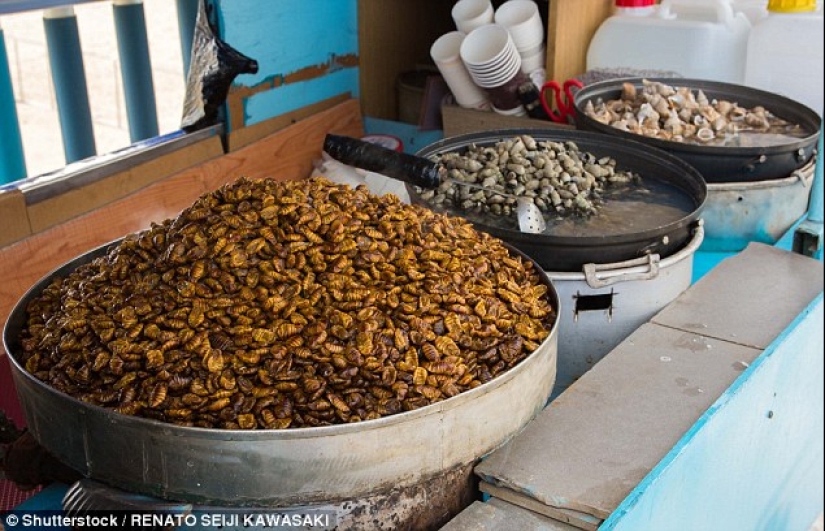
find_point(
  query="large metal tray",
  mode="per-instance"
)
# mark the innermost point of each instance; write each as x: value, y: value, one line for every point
x: 278, y: 468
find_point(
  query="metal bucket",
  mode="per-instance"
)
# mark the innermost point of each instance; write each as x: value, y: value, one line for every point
x: 738, y: 213
x: 281, y: 468
x: 605, y: 303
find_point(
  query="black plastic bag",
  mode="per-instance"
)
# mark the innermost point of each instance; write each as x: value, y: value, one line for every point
x: 212, y: 68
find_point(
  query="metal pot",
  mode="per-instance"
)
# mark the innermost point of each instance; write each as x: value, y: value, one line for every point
x: 718, y: 163
x: 739, y: 213
x: 568, y: 253
x: 279, y: 468
x: 605, y: 303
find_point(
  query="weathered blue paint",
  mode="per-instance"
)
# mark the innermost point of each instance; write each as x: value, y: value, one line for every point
x: 136, y: 70
x: 295, y: 43
x: 12, y: 159
x: 293, y: 96
x: 69, y: 79
x: 704, y: 261
x: 754, y: 460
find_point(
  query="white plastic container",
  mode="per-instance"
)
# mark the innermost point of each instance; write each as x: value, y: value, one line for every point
x: 605, y: 303
x: 701, y: 39
x: 785, y: 52
x: 755, y: 10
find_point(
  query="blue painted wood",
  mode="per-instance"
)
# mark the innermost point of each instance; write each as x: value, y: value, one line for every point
x: 69, y: 79
x: 12, y: 159
x: 298, y: 45
x: 136, y: 70
x: 754, y: 460
x: 286, y: 98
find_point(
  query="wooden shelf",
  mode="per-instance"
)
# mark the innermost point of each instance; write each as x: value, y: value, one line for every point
x: 395, y: 36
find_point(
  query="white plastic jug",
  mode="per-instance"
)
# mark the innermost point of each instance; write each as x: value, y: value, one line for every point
x: 785, y: 52
x: 755, y: 10
x: 703, y: 39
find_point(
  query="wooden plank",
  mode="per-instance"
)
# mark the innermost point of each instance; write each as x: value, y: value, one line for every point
x: 73, y: 203
x: 290, y: 157
x: 14, y: 221
x: 395, y: 36
x: 570, y: 27
x: 247, y: 135
x: 284, y: 155
x: 458, y: 120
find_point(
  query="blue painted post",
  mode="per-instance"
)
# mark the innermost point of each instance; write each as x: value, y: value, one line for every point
x: 809, y: 235
x: 12, y: 160
x: 815, y: 210
x: 66, y: 61
x: 187, y: 13
x: 135, y: 69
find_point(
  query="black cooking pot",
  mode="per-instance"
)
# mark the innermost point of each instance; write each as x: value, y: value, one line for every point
x: 570, y: 253
x: 718, y: 163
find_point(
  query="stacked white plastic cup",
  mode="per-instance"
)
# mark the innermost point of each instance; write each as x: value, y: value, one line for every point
x: 523, y: 21
x: 470, y: 14
x: 494, y: 64
x: 445, y: 54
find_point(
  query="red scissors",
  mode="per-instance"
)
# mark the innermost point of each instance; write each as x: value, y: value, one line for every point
x: 563, y: 96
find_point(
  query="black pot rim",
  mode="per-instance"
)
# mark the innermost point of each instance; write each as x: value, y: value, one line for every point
x: 662, y: 158
x: 598, y: 89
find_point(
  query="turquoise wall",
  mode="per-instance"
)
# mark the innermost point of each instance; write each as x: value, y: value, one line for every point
x: 306, y: 50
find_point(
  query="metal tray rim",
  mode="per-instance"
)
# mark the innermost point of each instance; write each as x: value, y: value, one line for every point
x: 17, y: 316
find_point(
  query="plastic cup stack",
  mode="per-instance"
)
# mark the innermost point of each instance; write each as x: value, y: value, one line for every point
x: 494, y: 64
x: 523, y: 22
x: 445, y: 52
x: 471, y: 14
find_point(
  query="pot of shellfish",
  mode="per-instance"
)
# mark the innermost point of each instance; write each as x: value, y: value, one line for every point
x: 755, y: 149
x: 287, y: 344
x: 617, y: 223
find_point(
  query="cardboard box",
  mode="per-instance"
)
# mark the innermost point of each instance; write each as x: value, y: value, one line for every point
x: 458, y: 121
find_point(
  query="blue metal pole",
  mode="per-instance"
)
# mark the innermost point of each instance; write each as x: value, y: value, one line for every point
x: 63, y: 42
x: 12, y: 160
x: 809, y: 235
x: 187, y: 14
x: 135, y: 69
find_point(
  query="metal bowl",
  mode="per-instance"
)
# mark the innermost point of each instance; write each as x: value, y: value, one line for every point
x: 570, y: 253
x: 279, y: 468
x: 718, y: 163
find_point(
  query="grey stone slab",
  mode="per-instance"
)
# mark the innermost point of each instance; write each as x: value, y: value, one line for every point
x: 498, y: 515
x: 749, y: 298
x: 576, y: 519
x: 592, y: 445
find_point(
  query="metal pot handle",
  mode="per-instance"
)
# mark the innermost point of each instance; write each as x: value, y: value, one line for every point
x: 591, y: 271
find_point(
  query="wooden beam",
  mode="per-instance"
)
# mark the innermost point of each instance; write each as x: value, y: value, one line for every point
x: 14, y: 221
x: 249, y: 134
x: 395, y: 36
x: 570, y: 27
x: 73, y: 203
